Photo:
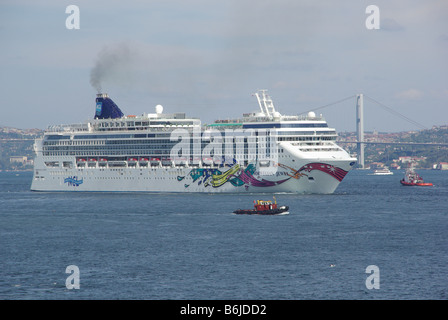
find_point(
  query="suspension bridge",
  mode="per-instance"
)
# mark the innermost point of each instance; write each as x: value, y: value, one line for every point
x: 360, y: 141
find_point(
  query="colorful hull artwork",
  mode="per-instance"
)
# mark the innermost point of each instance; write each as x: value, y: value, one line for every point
x: 73, y: 181
x: 239, y: 177
x: 333, y: 171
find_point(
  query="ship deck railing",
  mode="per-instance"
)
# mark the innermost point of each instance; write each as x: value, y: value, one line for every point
x: 249, y: 119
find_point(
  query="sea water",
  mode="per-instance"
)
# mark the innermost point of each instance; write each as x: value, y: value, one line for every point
x: 191, y: 246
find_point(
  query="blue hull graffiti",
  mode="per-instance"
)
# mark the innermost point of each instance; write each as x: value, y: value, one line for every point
x: 73, y: 181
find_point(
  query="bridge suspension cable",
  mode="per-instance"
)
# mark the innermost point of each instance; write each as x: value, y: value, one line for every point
x: 396, y: 113
x: 382, y: 105
x: 328, y: 105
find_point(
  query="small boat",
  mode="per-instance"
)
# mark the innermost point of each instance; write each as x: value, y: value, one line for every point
x: 412, y: 178
x: 382, y: 172
x: 264, y: 208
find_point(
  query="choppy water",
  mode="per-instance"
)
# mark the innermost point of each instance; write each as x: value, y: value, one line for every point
x: 179, y: 246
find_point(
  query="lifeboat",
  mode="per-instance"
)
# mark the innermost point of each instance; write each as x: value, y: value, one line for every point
x: 155, y: 161
x: 91, y: 162
x: 81, y: 162
x: 132, y: 162
x: 207, y: 161
x: 166, y: 162
x: 143, y: 161
x: 217, y: 160
x: 264, y: 208
x: 181, y: 161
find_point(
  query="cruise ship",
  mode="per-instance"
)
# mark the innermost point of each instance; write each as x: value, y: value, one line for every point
x: 262, y: 152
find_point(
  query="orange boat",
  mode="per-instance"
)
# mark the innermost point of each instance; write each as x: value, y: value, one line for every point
x: 412, y: 178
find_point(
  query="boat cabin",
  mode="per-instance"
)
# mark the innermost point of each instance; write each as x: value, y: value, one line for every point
x: 260, y: 205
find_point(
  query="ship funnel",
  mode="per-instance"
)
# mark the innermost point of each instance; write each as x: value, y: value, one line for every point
x: 102, y: 95
x: 106, y: 108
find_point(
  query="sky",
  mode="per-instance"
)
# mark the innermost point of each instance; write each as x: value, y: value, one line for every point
x: 207, y: 57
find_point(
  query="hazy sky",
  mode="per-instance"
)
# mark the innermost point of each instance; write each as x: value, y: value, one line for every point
x: 207, y: 58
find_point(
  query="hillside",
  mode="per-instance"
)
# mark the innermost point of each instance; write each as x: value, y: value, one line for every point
x: 17, y: 143
x: 388, y: 154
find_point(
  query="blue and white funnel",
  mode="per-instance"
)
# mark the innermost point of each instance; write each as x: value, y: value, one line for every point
x: 106, y: 108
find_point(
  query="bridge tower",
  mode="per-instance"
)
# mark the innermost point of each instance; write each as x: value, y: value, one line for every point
x: 360, y: 129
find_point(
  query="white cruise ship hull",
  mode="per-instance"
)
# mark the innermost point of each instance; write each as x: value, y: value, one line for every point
x: 307, y: 177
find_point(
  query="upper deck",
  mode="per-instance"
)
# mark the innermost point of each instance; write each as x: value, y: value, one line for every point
x: 158, y: 121
x: 269, y: 118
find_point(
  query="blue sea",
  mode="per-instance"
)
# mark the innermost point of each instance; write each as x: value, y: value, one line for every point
x: 191, y: 246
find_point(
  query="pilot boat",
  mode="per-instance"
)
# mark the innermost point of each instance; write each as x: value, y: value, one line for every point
x: 412, y: 178
x: 264, y: 208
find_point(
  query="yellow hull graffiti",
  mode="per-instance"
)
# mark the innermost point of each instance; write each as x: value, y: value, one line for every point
x: 219, y: 179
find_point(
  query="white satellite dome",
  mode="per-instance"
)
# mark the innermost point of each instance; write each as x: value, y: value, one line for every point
x: 159, y: 109
x: 311, y: 114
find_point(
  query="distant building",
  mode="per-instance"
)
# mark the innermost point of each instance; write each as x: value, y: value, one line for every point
x: 21, y: 159
x: 395, y: 166
x: 441, y: 166
x: 376, y: 165
x: 18, y: 159
x: 410, y: 159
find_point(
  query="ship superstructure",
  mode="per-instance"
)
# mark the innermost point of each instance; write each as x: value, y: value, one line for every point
x: 263, y: 151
